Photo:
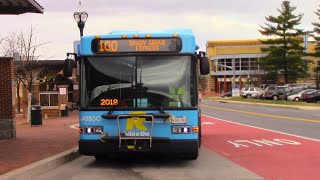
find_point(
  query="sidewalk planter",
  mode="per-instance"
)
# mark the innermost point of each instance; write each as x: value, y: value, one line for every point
x: 51, y: 111
x: 36, y: 116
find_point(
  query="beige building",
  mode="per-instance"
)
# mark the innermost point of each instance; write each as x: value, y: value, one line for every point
x: 234, y: 64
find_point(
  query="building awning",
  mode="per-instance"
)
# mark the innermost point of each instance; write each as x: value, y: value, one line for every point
x: 20, y: 6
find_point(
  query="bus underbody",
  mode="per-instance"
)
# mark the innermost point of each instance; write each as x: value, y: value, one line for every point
x: 183, y: 148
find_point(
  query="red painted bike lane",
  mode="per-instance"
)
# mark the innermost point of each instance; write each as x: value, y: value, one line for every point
x: 272, y: 155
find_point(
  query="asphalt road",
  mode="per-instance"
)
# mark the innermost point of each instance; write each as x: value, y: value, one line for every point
x: 298, y: 122
x: 240, y: 141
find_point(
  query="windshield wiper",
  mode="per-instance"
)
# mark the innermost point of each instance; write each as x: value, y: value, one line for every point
x: 145, y: 90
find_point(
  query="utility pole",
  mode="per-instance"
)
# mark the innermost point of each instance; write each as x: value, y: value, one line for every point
x: 233, y: 74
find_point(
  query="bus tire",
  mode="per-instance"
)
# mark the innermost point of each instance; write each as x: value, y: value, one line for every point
x: 199, y: 123
x: 200, y: 135
x: 100, y: 157
x: 191, y: 156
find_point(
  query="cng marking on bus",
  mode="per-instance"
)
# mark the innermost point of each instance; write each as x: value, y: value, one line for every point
x: 263, y: 142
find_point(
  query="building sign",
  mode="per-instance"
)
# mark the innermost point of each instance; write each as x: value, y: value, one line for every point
x: 62, y: 90
x: 75, y: 87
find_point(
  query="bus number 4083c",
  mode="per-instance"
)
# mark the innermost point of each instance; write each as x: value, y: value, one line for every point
x: 108, y: 46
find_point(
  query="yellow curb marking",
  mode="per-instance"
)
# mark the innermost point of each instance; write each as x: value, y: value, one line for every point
x: 260, y: 114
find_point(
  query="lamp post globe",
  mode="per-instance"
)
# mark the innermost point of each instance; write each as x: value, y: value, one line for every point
x: 80, y: 18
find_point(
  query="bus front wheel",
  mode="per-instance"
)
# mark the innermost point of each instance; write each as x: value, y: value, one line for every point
x: 101, y: 157
x: 190, y: 156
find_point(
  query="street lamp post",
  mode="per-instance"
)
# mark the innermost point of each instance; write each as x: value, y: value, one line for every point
x: 80, y: 17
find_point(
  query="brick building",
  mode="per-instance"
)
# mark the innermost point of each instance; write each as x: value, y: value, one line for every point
x: 51, y: 90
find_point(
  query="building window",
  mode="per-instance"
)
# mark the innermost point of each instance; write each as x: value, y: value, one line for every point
x: 254, y: 64
x: 49, y: 99
x: 70, y: 96
x: 244, y: 64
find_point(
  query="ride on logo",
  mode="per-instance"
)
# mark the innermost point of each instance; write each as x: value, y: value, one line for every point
x: 136, y: 123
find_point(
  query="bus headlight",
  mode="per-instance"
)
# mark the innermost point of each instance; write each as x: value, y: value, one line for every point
x: 93, y: 130
x: 181, y: 129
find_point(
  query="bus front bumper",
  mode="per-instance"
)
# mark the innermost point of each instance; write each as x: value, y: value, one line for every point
x: 159, y: 145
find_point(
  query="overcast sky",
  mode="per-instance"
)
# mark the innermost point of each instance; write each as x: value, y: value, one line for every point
x: 209, y: 19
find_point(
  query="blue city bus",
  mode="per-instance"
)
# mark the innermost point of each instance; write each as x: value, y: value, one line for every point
x: 139, y: 93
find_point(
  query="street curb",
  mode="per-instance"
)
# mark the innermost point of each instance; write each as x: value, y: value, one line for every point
x: 42, y: 166
x: 266, y: 105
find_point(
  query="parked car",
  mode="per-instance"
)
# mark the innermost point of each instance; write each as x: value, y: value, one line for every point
x: 275, y: 92
x: 297, y: 95
x: 258, y: 95
x: 311, y: 96
x: 227, y: 94
x: 249, y: 91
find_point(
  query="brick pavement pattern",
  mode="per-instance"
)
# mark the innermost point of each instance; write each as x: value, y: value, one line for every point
x: 35, y: 143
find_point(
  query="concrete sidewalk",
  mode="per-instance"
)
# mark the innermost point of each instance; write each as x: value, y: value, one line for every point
x: 36, y: 143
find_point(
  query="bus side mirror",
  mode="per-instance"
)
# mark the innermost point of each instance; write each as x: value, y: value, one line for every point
x: 204, y: 66
x: 68, y: 67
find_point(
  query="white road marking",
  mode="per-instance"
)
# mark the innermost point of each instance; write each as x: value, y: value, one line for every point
x: 207, y: 123
x: 318, y: 140
x: 262, y: 142
x: 74, y: 126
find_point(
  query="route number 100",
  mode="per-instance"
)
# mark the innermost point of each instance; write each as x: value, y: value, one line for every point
x: 108, y: 46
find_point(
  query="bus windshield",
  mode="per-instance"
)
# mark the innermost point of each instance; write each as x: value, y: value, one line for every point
x: 138, y: 82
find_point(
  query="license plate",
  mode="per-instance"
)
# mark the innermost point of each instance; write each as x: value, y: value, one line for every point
x: 179, y: 119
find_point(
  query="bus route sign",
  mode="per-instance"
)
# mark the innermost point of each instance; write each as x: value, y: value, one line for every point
x: 101, y: 46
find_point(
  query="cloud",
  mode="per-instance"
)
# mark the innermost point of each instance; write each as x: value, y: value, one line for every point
x: 209, y: 19
x: 216, y: 7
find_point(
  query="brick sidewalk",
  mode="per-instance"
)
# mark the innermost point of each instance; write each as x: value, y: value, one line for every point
x: 38, y: 142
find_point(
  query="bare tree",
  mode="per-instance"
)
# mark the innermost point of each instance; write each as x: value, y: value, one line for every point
x: 9, y: 49
x: 1, y: 39
x: 25, y: 49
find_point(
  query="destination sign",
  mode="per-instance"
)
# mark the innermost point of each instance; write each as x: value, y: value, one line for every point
x: 136, y: 45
